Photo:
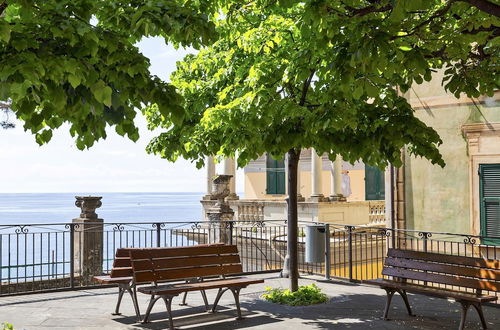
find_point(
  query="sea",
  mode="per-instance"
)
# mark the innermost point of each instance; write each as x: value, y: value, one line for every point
x: 42, y: 251
x: 45, y: 208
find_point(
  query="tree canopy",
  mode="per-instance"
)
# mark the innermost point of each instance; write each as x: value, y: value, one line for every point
x: 327, y: 74
x: 75, y: 61
x: 331, y: 75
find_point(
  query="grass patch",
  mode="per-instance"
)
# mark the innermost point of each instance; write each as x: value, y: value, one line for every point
x: 305, y: 295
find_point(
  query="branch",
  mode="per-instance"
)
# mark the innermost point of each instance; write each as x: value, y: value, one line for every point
x: 305, y: 88
x: 3, y: 6
x: 484, y: 5
x: 440, y: 13
x: 368, y: 10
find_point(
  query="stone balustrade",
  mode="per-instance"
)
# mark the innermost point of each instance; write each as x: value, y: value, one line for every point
x: 376, y: 212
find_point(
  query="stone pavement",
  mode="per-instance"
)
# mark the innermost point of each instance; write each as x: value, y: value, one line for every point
x: 351, y: 306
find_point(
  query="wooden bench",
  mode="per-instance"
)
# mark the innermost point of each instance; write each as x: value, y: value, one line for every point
x: 433, y: 270
x: 122, y: 275
x: 196, y: 268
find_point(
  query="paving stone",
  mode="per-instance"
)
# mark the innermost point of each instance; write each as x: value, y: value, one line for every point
x: 351, y: 306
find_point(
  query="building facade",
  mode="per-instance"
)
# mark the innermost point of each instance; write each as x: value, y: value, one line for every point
x: 464, y: 196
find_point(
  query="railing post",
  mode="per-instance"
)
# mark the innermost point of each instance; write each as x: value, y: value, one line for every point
x: 349, y: 256
x: 231, y: 226
x: 72, y: 255
x: 425, y: 236
x: 327, y: 252
x: 158, y: 234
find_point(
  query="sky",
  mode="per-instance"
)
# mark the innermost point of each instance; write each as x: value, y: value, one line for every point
x: 113, y: 165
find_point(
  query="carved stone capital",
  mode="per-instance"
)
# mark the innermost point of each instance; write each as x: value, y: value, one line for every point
x: 88, y: 205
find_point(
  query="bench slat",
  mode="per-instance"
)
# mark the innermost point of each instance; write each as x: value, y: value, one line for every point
x: 121, y: 272
x: 183, y: 273
x: 183, y: 252
x: 122, y: 252
x: 482, y: 273
x: 166, y: 263
x: 443, y: 279
x: 186, y: 287
x: 444, y: 258
x: 436, y: 292
x: 122, y: 262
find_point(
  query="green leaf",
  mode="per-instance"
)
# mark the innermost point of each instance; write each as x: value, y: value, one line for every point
x: 5, y: 31
x: 74, y: 80
x: 102, y: 93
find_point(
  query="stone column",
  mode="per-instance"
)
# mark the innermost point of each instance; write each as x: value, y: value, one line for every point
x: 316, y: 167
x: 219, y: 216
x: 337, y: 195
x: 210, y: 166
x: 230, y: 169
x: 300, y: 198
x: 88, y: 239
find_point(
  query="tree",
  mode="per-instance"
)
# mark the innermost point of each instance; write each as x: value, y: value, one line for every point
x: 327, y: 75
x: 75, y: 61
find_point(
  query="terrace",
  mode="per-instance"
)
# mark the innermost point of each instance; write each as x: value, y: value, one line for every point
x: 55, y: 264
x: 351, y: 306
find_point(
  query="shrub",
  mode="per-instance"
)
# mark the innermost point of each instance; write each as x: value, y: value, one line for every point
x: 305, y: 295
x: 7, y: 326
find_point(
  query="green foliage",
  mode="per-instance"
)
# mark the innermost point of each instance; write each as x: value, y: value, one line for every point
x: 326, y: 75
x: 75, y: 61
x: 305, y: 295
x: 7, y: 326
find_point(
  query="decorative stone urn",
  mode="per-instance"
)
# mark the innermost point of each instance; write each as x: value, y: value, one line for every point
x: 88, y: 205
x: 219, y: 231
x: 88, y: 240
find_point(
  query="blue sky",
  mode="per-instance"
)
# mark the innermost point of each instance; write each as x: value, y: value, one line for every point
x: 112, y: 165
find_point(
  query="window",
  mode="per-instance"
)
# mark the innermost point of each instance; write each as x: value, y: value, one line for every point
x: 489, y: 190
x: 275, y: 176
x: 374, y: 184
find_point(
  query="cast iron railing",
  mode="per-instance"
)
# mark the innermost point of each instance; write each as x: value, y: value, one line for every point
x: 44, y: 257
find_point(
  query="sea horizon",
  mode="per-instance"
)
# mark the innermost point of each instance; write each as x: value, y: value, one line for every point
x: 119, y: 207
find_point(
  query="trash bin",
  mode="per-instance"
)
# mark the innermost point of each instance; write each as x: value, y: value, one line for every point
x: 315, y: 243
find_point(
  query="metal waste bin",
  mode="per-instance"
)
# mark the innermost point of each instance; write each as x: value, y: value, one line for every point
x: 315, y: 243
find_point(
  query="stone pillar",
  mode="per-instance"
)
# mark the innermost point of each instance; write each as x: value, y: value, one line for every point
x: 219, y: 230
x: 210, y: 166
x: 230, y: 169
x: 337, y: 195
x: 300, y: 198
x: 316, y: 167
x: 88, y: 239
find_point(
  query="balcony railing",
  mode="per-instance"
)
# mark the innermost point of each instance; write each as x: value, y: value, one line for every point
x: 45, y: 257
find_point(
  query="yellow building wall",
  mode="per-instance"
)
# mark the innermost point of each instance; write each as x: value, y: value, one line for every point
x: 255, y: 185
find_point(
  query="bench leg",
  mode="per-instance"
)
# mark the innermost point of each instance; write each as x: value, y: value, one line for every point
x: 205, y: 300
x: 121, y: 290
x: 403, y: 295
x: 183, y: 303
x: 465, y: 308
x: 236, y: 294
x: 479, y: 310
x: 152, y: 301
x: 168, y: 303
x: 217, y: 298
x: 390, y: 293
x: 133, y: 294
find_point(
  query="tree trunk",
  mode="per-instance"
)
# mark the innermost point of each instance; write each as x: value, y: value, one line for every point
x: 291, y: 265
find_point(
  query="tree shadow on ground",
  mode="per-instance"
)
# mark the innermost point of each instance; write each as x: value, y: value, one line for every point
x: 343, y: 311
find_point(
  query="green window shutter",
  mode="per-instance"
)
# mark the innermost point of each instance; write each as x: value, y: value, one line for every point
x: 489, y: 185
x: 280, y: 177
x: 374, y: 184
x: 275, y: 176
